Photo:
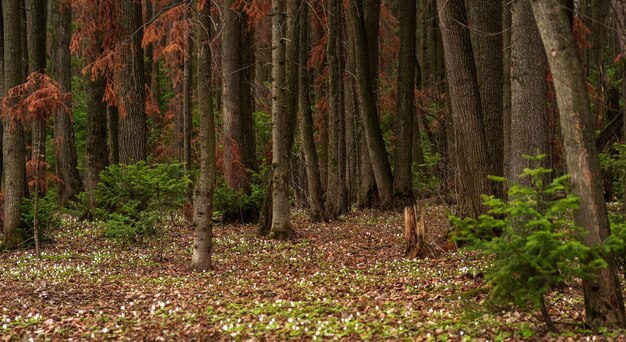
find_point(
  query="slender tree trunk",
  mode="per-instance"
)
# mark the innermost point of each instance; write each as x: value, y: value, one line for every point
x: 13, y: 138
x: 314, y: 185
x: 282, y: 133
x: 131, y: 85
x: 65, y: 145
x: 2, y: 90
x: 373, y: 133
x: 529, y: 113
x: 604, y: 305
x: 96, y: 149
x: 485, y: 17
x: 405, y: 103
x: 469, y: 136
x: 187, y: 114
x: 203, y: 193
x: 335, y: 192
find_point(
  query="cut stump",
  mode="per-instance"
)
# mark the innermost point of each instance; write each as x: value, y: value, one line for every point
x: 415, y: 232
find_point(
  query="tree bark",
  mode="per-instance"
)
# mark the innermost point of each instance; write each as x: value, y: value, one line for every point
x: 65, y: 145
x: 96, y: 149
x: 405, y: 103
x: 604, y: 305
x: 236, y: 112
x: 203, y: 193
x: 471, y: 152
x: 14, y: 169
x: 373, y: 133
x: 529, y: 112
x: 485, y: 18
x: 336, y: 190
x: 187, y: 111
x: 619, y: 12
x: 314, y: 185
x: 131, y: 85
x: 283, y: 31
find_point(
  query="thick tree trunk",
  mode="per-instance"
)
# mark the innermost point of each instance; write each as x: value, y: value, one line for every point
x: 65, y: 145
x: 283, y: 31
x: 203, y: 193
x: 604, y: 305
x: 506, y: 95
x: 405, y: 103
x: 373, y: 133
x: 485, y: 18
x: 314, y: 185
x: 14, y: 170
x: 236, y: 110
x: 529, y: 112
x: 619, y: 12
x: 131, y: 85
x: 471, y: 152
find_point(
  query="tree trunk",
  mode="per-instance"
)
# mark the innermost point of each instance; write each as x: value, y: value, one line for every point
x: 485, y: 18
x: 131, y: 85
x: 469, y: 136
x: 96, y: 149
x: 236, y: 111
x: 405, y: 103
x: 283, y: 31
x: 113, y: 132
x: 604, y: 305
x: 506, y: 95
x: 314, y: 186
x: 373, y: 133
x: 619, y: 12
x: 65, y: 145
x: 14, y: 170
x: 187, y: 110
x: 529, y: 113
x: 203, y: 193
x: 336, y: 190
x: 2, y: 90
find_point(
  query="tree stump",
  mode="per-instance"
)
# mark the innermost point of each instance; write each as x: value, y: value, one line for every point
x: 415, y: 232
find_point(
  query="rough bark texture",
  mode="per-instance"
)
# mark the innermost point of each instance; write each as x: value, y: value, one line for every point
x: 112, y: 128
x: 131, y: 85
x: 604, y: 305
x: 336, y: 190
x: 529, y: 112
x: 405, y: 103
x: 96, y: 149
x: 187, y: 110
x: 314, y: 185
x: 486, y: 26
x: 471, y: 151
x: 13, y: 138
x: 2, y: 90
x: 373, y: 133
x: 506, y: 95
x: 203, y: 192
x: 237, y: 113
x: 282, y: 133
x: 619, y: 12
x: 61, y: 67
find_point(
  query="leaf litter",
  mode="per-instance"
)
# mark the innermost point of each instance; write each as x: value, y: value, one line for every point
x: 342, y: 280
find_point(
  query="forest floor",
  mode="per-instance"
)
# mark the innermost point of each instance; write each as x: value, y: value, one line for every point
x: 342, y: 280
